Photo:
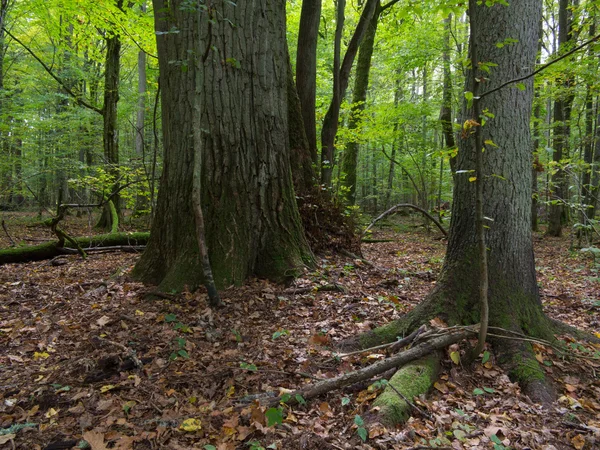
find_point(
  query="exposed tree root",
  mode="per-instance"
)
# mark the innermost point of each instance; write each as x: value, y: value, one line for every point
x: 416, y: 378
x: 433, y: 341
x: 514, y: 349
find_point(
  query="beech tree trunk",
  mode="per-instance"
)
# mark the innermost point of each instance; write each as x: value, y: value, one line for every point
x: 251, y: 219
x: 514, y: 300
x: 110, y: 135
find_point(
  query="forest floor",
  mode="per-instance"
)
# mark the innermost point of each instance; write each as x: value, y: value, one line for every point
x: 66, y: 331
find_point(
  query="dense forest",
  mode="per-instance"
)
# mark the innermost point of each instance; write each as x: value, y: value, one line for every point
x: 240, y: 191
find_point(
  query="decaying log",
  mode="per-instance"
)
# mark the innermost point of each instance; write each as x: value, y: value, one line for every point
x: 438, y: 341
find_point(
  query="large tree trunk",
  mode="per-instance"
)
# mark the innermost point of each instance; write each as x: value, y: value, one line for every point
x: 306, y: 69
x: 513, y: 293
x: 252, y: 222
x: 359, y: 96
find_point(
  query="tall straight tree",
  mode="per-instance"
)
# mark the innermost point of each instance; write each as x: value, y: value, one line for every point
x: 562, y: 126
x: 306, y: 69
x: 341, y: 75
x: 223, y: 76
x: 514, y: 301
x: 359, y: 96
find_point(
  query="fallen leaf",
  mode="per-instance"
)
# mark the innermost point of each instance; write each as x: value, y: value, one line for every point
x: 578, y: 442
x: 103, y: 321
x: 191, y: 425
x: 95, y: 439
x: 6, y: 438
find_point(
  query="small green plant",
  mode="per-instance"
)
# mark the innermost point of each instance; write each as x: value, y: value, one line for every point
x: 248, y: 366
x: 180, y: 351
x: 498, y: 443
x: 361, y: 430
x: 280, y: 333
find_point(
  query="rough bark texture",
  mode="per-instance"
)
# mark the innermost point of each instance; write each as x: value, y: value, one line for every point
x: 252, y: 222
x: 306, y: 69
x: 300, y: 153
x: 513, y: 292
x: 359, y: 97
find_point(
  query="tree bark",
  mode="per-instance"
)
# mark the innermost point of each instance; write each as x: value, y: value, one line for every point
x: 514, y: 300
x: 306, y: 70
x: 252, y: 223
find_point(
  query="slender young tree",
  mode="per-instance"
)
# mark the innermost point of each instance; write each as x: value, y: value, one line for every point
x: 225, y: 129
x: 341, y: 75
x: 561, y: 127
x: 306, y: 69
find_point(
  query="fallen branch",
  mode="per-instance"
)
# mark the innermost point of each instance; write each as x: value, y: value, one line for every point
x: 333, y: 287
x: 393, y: 209
x: 12, y: 243
x: 438, y: 341
x: 50, y: 250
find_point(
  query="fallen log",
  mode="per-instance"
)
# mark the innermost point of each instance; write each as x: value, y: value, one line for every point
x: 395, y: 209
x: 437, y: 341
x: 50, y: 250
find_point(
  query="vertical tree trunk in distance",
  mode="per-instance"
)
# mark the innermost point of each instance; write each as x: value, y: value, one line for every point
x: 561, y: 129
x: 300, y: 156
x: 340, y: 84
x: 446, y: 110
x: 141, y: 202
x: 359, y: 97
x: 513, y: 293
x: 110, y: 135
x: 251, y: 219
x: 306, y: 70
x: 588, y: 154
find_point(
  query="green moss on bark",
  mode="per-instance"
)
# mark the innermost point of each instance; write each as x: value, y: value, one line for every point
x: 412, y: 380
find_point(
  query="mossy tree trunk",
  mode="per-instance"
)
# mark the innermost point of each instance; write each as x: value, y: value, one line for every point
x: 251, y: 218
x: 514, y: 300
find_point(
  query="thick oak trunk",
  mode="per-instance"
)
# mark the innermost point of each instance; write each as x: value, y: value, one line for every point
x: 252, y: 222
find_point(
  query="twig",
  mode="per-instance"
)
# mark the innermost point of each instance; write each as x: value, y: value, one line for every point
x: 401, y: 343
x: 544, y: 67
x: 130, y: 352
x: 12, y: 243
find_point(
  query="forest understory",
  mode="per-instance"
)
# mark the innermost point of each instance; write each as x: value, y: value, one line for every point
x: 71, y: 331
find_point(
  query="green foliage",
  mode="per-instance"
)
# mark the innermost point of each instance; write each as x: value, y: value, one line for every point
x: 274, y: 416
x: 180, y: 351
x: 361, y: 430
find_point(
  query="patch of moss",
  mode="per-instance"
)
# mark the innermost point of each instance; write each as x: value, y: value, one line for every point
x: 411, y: 380
x: 525, y: 369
